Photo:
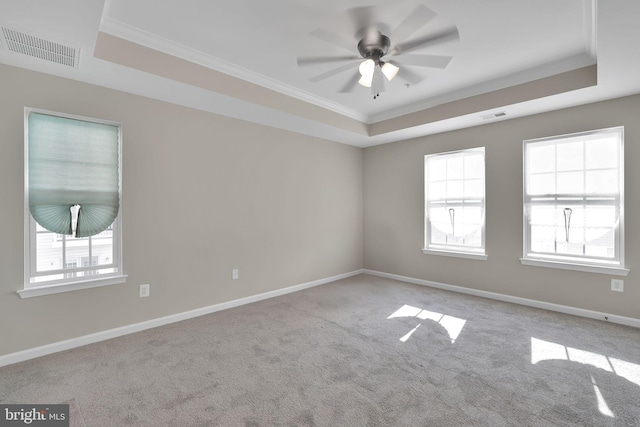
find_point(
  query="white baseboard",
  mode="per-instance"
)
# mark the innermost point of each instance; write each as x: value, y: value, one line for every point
x: 32, y: 353
x: 613, y: 318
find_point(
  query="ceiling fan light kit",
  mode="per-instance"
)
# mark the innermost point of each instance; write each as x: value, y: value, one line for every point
x: 372, y: 47
x: 389, y: 70
x: 367, y: 68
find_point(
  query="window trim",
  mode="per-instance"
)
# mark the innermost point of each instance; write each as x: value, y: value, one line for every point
x: 456, y: 251
x: 568, y: 262
x: 575, y: 266
x: 456, y: 254
x: 65, y: 284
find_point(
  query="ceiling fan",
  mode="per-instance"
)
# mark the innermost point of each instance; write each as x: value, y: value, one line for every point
x: 376, y: 50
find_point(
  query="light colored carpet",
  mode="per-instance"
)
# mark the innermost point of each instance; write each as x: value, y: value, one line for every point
x: 75, y: 416
x: 364, y: 351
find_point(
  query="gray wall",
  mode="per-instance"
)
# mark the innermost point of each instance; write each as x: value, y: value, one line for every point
x: 394, y: 197
x: 202, y: 194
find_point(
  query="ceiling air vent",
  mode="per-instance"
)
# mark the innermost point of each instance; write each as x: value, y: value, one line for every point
x: 494, y: 115
x: 37, y: 47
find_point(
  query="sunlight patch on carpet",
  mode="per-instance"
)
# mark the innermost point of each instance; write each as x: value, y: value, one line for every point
x: 602, y: 404
x: 453, y: 325
x: 545, y: 350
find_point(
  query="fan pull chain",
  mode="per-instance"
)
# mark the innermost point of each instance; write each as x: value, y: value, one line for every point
x: 377, y: 85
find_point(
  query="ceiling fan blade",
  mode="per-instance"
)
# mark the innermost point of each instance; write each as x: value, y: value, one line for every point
x: 334, y: 39
x: 331, y: 73
x: 420, y: 16
x: 362, y: 18
x: 351, y: 84
x: 409, y: 76
x: 447, y: 35
x: 431, y: 61
x: 324, y: 59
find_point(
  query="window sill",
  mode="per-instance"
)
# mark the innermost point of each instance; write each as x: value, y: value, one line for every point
x: 466, y: 255
x: 613, y: 271
x: 36, y: 291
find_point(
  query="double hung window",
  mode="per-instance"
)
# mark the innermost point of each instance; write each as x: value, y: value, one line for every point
x: 72, y: 203
x: 455, y: 204
x: 574, y: 201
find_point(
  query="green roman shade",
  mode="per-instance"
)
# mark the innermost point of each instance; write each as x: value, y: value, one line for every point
x: 73, y: 162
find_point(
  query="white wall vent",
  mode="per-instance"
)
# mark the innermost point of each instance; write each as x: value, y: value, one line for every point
x: 37, y: 47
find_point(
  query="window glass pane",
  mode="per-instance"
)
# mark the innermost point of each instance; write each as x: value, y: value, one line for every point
x: 474, y: 188
x: 543, y: 216
x: 542, y: 238
x: 600, y: 242
x: 102, y: 247
x: 541, y: 158
x: 541, y: 184
x: 437, y: 191
x: 474, y: 166
x: 437, y: 167
x: 469, y: 226
x: 76, y: 249
x: 474, y: 238
x: 564, y: 248
x: 601, y: 216
x: 455, y: 167
x: 570, y: 183
x: 48, y: 251
x: 440, y: 225
x: 602, y: 153
x: 602, y: 182
x: 570, y: 156
x: 600, y: 232
x: 455, y: 190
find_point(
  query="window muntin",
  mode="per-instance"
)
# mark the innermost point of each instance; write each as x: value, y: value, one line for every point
x: 455, y: 202
x: 53, y: 259
x: 573, y: 198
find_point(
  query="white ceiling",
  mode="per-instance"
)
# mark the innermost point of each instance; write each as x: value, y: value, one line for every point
x: 502, y: 43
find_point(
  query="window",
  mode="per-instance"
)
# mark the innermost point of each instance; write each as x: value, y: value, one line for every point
x: 72, y: 203
x: 454, y: 204
x: 574, y: 202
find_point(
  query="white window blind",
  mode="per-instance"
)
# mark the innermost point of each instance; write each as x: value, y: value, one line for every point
x: 455, y: 202
x: 573, y: 198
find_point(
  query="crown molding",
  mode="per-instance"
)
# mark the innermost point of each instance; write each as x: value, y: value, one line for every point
x: 152, y: 41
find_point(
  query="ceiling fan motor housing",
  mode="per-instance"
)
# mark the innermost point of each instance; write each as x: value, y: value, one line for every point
x: 374, y: 47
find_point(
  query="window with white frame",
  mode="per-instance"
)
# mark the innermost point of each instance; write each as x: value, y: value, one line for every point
x: 455, y: 203
x: 574, y: 201
x: 72, y: 203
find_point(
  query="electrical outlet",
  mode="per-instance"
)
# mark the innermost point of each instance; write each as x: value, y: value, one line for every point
x: 234, y: 274
x: 617, y: 285
x: 144, y: 290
